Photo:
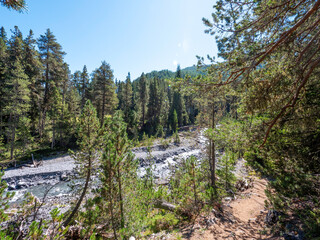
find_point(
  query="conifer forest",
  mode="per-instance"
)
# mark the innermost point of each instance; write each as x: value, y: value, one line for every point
x: 228, y: 148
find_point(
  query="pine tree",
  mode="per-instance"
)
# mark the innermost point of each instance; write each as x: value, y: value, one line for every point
x: 16, y: 95
x: 143, y: 97
x: 76, y: 76
x: 105, y: 91
x: 83, y: 86
x: 52, y: 59
x: 73, y: 101
x: 3, y: 73
x: 18, y: 5
x: 154, y: 106
x: 119, y: 171
x: 15, y: 42
x: 175, y: 121
x: 127, y: 98
x: 3, y: 34
x: 33, y: 68
x: 56, y: 109
x: 88, y: 141
x: 178, y: 105
x: 120, y: 94
x: 16, y: 91
x: 64, y: 126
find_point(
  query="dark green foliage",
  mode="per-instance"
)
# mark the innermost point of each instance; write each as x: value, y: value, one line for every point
x: 16, y: 95
x: 83, y: 85
x: 114, y: 198
x: 163, y: 221
x: 272, y: 80
x: 105, y: 98
x: 174, y: 125
x: 188, y: 185
x: 52, y: 60
x: 88, y: 141
x: 143, y: 97
x: 56, y: 97
x: 33, y: 68
x: 4, y: 199
x: 225, y: 172
x: 178, y: 106
x: 155, y: 107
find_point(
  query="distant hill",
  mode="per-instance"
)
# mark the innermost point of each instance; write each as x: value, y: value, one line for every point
x: 167, y: 74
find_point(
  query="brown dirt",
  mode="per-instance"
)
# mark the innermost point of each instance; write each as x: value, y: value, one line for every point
x: 242, y: 218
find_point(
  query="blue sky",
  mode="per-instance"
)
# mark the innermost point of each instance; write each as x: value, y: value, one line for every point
x: 131, y: 35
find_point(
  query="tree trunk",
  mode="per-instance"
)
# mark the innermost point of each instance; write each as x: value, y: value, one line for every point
x: 103, y: 105
x: 165, y: 206
x: 1, y: 124
x: 120, y: 198
x: 53, y: 134
x: 213, y: 155
x: 45, y: 98
x: 75, y: 210
x: 194, y: 186
x: 13, y: 135
x: 143, y: 113
x: 111, y: 202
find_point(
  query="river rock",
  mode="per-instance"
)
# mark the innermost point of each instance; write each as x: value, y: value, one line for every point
x: 11, y: 187
x: 64, y: 177
x: 228, y: 199
x: 21, y: 185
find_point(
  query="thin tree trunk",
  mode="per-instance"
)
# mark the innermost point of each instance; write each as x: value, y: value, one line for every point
x: 53, y: 134
x: 13, y: 135
x: 39, y: 124
x: 1, y: 124
x: 143, y: 113
x: 213, y: 156
x: 194, y: 186
x: 43, y: 122
x: 112, y: 215
x: 46, y: 98
x: 103, y: 105
x: 75, y: 210
x: 121, y: 200
x: 111, y: 202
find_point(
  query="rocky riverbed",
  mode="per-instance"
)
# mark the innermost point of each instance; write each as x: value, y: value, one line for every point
x: 53, y: 176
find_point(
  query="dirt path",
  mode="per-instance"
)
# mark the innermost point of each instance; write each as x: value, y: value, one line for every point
x: 248, y: 208
x: 241, y: 219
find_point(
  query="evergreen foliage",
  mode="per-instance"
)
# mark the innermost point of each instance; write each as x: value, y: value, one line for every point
x: 261, y: 103
x: 18, y: 5
x: 56, y: 97
x: 89, y: 140
x: 105, y: 98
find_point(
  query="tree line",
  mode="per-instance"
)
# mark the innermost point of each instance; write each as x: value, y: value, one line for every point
x: 41, y: 100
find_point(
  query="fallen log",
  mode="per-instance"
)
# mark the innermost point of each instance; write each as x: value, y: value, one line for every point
x: 165, y: 206
x: 172, y: 208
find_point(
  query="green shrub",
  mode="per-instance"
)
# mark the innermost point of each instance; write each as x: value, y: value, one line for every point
x: 163, y: 222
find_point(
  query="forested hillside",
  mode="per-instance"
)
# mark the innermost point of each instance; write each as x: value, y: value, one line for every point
x: 41, y: 99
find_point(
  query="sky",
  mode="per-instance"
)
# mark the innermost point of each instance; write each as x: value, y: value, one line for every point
x: 131, y: 35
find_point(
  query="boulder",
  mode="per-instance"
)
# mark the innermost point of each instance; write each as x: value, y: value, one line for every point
x: 64, y: 177
x: 272, y: 217
x: 21, y: 185
x: 11, y: 187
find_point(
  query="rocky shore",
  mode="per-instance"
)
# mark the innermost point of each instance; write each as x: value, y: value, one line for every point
x: 53, y: 175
